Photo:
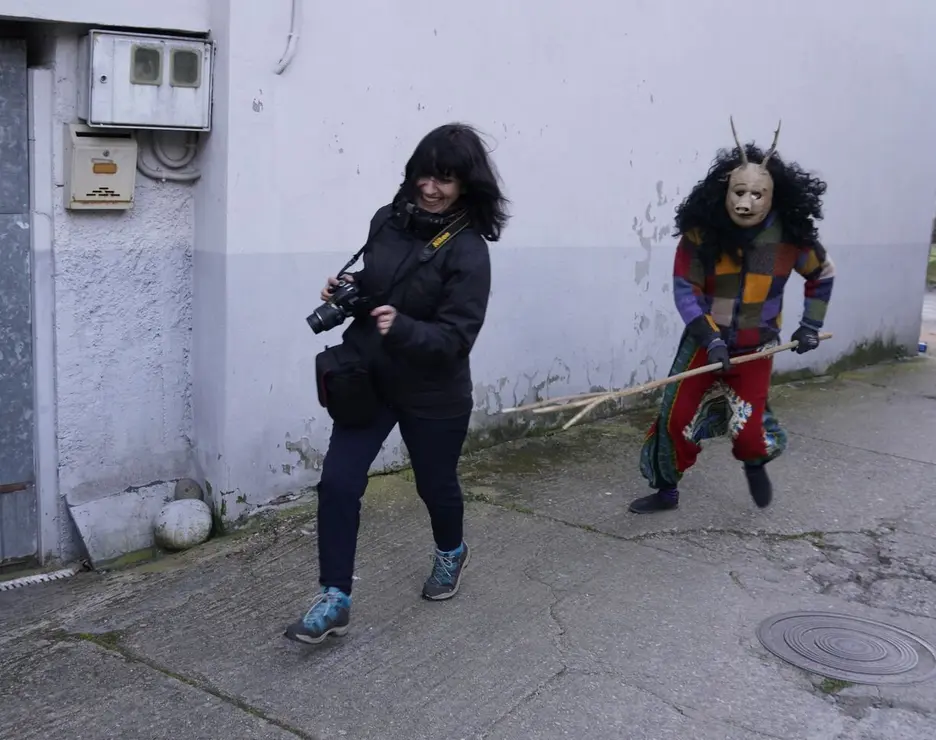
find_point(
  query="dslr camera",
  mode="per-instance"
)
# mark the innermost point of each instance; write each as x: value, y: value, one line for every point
x: 346, y: 299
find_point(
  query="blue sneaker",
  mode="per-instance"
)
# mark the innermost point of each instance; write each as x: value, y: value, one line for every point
x: 329, y: 614
x: 447, y: 569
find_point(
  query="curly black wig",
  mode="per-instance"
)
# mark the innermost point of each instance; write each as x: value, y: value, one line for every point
x: 797, y: 200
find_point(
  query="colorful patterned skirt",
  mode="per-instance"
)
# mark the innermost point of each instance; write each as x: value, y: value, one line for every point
x: 706, y: 406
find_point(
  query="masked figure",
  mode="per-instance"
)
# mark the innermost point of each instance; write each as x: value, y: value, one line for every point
x: 743, y: 230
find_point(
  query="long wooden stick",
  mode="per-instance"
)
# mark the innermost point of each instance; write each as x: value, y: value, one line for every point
x: 593, y: 400
x: 553, y: 401
x: 653, y: 385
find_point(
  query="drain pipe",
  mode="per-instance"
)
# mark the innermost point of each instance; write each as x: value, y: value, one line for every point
x: 56, y: 575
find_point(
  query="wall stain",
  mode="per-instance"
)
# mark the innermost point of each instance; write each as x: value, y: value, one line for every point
x: 490, y: 399
x: 648, y: 238
x: 309, y: 457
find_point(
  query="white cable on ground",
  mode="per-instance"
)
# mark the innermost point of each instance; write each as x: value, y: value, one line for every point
x: 57, y: 575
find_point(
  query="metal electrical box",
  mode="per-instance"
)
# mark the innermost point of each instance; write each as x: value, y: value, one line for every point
x: 100, y: 168
x: 134, y: 80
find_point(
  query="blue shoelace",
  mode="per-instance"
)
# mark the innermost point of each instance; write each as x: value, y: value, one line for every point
x: 324, y: 607
x: 444, y: 567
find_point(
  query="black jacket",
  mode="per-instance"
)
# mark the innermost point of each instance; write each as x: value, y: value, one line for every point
x: 421, y: 365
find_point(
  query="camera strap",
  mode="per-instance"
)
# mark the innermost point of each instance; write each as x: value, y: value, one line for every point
x: 447, y: 233
x: 357, y: 255
x: 430, y: 250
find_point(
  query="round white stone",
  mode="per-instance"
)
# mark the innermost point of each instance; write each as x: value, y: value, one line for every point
x: 183, y: 524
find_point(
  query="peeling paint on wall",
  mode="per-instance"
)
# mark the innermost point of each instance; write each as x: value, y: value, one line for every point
x: 641, y: 227
x: 572, y: 251
x: 309, y: 457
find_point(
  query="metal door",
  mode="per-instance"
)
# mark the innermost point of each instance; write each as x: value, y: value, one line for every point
x: 19, y: 530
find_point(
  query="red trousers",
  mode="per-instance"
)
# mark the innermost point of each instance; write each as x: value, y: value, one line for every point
x: 733, y: 403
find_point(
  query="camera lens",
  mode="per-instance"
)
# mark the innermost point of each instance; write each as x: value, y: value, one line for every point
x: 314, y: 322
x: 325, y: 318
x: 335, y: 311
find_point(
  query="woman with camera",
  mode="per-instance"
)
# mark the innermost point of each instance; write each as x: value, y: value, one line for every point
x: 418, y: 305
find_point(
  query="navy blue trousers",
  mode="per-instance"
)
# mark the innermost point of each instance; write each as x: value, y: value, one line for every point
x: 434, y: 447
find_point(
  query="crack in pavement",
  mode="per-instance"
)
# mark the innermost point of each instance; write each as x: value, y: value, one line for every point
x: 893, y: 389
x: 857, y: 707
x: 569, y: 667
x: 868, y: 559
x: 560, y: 649
x: 110, y: 644
x: 523, y: 701
x: 688, y: 711
x: 858, y: 448
x: 556, y: 598
x: 611, y: 671
x: 759, y: 534
x: 606, y: 670
x: 697, y: 713
x: 814, y: 537
x: 878, y: 554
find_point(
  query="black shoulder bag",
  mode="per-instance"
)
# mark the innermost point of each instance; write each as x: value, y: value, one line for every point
x: 344, y: 380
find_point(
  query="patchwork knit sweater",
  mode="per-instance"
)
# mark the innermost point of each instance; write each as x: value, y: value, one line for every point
x: 743, y: 303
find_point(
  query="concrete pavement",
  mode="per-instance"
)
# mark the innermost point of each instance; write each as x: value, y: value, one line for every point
x: 576, y: 619
x: 928, y: 330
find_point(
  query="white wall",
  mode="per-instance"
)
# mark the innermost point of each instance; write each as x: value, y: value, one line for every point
x: 123, y: 323
x: 178, y: 15
x: 603, y: 116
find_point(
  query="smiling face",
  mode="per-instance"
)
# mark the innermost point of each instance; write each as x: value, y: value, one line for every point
x: 437, y: 194
x: 750, y: 195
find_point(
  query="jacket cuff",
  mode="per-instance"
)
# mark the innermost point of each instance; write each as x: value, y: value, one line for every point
x: 702, y: 332
x: 400, y: 330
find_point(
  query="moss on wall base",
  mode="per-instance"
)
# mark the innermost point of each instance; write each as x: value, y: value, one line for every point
x: 493, y: 430
x: 497, y: 429
x: 868, y: 353
x: 130, y: 559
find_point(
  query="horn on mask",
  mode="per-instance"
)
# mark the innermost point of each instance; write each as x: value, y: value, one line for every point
x: 773, y: 147
x: 734, y: 131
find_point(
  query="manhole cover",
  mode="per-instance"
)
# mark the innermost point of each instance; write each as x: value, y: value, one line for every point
x: 848, y: 648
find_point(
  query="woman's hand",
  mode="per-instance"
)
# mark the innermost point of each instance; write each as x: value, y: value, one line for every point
x: 330, y: 284
x: 385, y: 316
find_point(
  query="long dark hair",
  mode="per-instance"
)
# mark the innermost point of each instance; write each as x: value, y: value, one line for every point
x: 797, y: 201
x: 456, y: 150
